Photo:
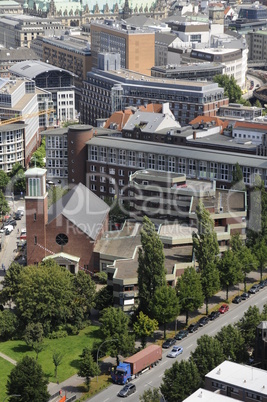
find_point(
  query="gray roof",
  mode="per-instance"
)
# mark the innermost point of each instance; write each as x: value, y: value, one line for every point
x: 166, y: 38
x: 82, y: 208
x: 141, y: 21
x: 151, y: 122
x: 210, y: 155
x: 18, y: 54
x: 32, y: 68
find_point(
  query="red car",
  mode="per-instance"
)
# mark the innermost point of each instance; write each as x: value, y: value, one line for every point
x: 223, y: 308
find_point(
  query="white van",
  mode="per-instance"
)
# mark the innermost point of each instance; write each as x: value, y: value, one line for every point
x: 21, y: 210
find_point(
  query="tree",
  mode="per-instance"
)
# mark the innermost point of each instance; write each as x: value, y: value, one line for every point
x: 230, y: 270
x: 238, y: 180
x: 4, y: 207
x: 115, y: 326
x: 260, y: 252
x: 248, y: 324
x: 11, y: 283
x: 206, y: 248
x: 45, y: 294
x: 88, y: 368
x: 257, y: 229
x: 207, y: 355
x: 144, y: 327
x: 4, y: 179
x: 165, y: 305
x: 8, y: 325
x: 189, y: 291
x: 233, y: 344
x: 180, y: 381
x: 57, y: 360
x: 104, y: 298
x: 38, y: 157
x: 151, y: 395
x: 18, y: 181
x: 151, y: 271
x: 85, y: 290
x: 258, y: 104
x: 28, y: 380
x: 33, y: 336
x: 231, y: 89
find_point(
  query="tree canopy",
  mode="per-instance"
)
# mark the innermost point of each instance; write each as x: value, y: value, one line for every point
x: 144, y: 327
x: 88, y: 368
x: 238, y: 179
x: 151, y: 271
x: 231, y: 89
x: 4, y: 179
x: 233, y: 344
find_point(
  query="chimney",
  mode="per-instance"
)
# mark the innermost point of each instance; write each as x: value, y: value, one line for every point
x: 194, y: 135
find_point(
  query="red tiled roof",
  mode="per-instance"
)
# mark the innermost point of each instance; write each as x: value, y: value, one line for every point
x: 256, y: 126
x: 227, y: 9
x: 209, y: 119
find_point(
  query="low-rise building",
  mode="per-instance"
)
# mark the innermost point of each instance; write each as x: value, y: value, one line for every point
x: 188, y: 71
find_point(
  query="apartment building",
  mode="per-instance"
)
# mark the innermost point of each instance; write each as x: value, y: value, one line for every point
x: 53, y: 79
x: 187, y: 99
x: 12, y: 146
x: 136, y: 46
x: 21, y: 98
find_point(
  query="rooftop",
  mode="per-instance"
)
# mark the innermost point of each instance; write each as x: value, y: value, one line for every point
x: 207, y: 396
x: 32, y: 68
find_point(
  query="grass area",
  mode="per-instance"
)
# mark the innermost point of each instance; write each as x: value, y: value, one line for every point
x: 5, y: 368
x: 71, y: 348
x: 96, y: 386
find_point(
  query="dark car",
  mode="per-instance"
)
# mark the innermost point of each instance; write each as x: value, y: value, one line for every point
x: 13, y: 223
x: 17, y: 216
x: 262, y: 284
x: 203, y: 321
x: 237, y: 300
x: 181, y: 334
x: 245, y: 296
x: 193, y: 327
x: 168, y: 343
x: 214, y: 315
x: 127, y: 390
x: 254, y: 289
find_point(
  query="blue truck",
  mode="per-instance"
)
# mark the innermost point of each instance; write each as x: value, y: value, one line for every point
x: 136, y: 364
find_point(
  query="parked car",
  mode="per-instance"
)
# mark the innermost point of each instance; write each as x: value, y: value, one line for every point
x: 9, y: 229
x: 193, y: 327
x: 176, y: 351
x: 21, y: 210
x: 254, y: 289
x: 203, y: 321
x: 214, y: 314
x: 13, y: 222
x: 262, y: 284
x: 17, y: 216
x: 245, y: 296
x: 181, y: 334
x: 168, y: 343
x: 224, y: 308
x: 127, y: 390
x: 237, y: 300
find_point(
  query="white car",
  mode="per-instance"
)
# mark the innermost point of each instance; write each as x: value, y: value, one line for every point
x: 176, y: 351
x: 8, y: 229
x: 21, y: 210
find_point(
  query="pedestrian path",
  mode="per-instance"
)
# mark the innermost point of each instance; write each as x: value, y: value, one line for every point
x: 71, y: 386
x: 8, y: 359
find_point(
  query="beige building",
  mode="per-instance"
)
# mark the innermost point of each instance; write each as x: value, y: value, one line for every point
x: 136, y: 46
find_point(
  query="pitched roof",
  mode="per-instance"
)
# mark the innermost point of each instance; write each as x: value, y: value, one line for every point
x: 82, y: 208
x: 255, y: 126
x: 209, y: 119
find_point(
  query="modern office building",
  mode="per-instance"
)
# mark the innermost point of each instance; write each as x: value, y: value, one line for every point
x: 253, y: 11
x: 187, y: 99
x: 53, y: 79
x: 257, y: 45
x: 21, y: 100
x: 136, y: 46
x: 12, y: 146
x: 189, y: 71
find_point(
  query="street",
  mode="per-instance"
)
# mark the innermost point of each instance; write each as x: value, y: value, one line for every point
x: 153, y: 377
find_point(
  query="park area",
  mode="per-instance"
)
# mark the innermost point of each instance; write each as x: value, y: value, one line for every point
x: 71, y: 348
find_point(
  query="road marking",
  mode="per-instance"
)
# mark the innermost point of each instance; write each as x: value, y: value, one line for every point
x: 213, y: 331
x: 164, y: 363
x: 190, y: 346
x: 148, y: 383
x: 161, y: 375
x: 106, y: 399
x: 235, y: 317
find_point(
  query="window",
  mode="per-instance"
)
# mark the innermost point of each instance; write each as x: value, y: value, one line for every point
x: 111, y: 190
x: 93, y: 187
x: 93, y: 177
x: 122, y: 157
x: 112, y: 171
x: 121, y: 182
x: 181, y: 165
x: 112, y: 156
x: 151, y: 161
x: 161, y: 162
x: 224, y: 171
x: 93, y: 168
x: 203, y: 169
x: 111, y: 180
x: 192, y: 167
x: 131, y: 158
x: 35, y: 240
x: 246, y: 174
x: 121, y: 172
x: 102, y: 179
x: 213, y: 170
x: 34, y: 217
x: 93, y: 156
x: 62, y: 239
x: 171, y: 164
x: 102, y: 169
x: 103, y: 154
x: 141, y: 159
x: 34, y: 187
x: 102, y: 189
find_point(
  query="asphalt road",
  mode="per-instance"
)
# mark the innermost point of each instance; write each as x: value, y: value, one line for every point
x: 152, y: 378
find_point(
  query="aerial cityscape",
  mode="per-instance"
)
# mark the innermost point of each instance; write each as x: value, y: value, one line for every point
x: 133, y: 200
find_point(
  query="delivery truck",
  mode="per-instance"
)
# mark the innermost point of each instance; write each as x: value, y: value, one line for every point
x: 137, y: 364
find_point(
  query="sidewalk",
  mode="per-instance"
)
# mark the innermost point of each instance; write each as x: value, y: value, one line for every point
x: 69, y: 387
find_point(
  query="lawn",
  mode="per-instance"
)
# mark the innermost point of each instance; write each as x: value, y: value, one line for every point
x: 5, y: 368
x: 71, y: 348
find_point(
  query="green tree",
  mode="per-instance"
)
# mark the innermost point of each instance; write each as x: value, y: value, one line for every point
x: 257, y: 228
x: 248, y: 324
x: 207, y: 355
x: 88, y: 368
x: 4, y: 179
x: 260, y: 252
x: 231, y: 89
x: 233, y: 344
x: 151, y: 271
x: 258, y: 104
x: 4, y: 207
x: 189, y: 291
x: 165, y: 305
x: 180, y: 381
x: 38, y: 157
x: 28, y: 380
x: 34, y: 337
x: 11, y: 283
x: 115, y: 326
x: 18, y: 181
x: 230, y: 270
x: 85, y: 290
x: 45, y: 295
x: 238, y: 179
x: 57, y: 360
x: 8, y: 325
x: 206, y: 248
x: 55, y: 193
x: 144, y: 327
x: 243, y: 254
x: 150, y: 395
x: 104, y: 298
x: 16, y: 167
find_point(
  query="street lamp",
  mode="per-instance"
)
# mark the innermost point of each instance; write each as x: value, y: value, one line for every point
x: 107, y: 340
x: 152, y: 386
x: 9, y: 396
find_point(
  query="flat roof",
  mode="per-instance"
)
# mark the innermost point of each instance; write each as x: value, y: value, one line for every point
x: 207, y: 396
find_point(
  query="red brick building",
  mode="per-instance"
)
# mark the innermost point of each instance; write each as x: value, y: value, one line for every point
x: 69, y: 229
